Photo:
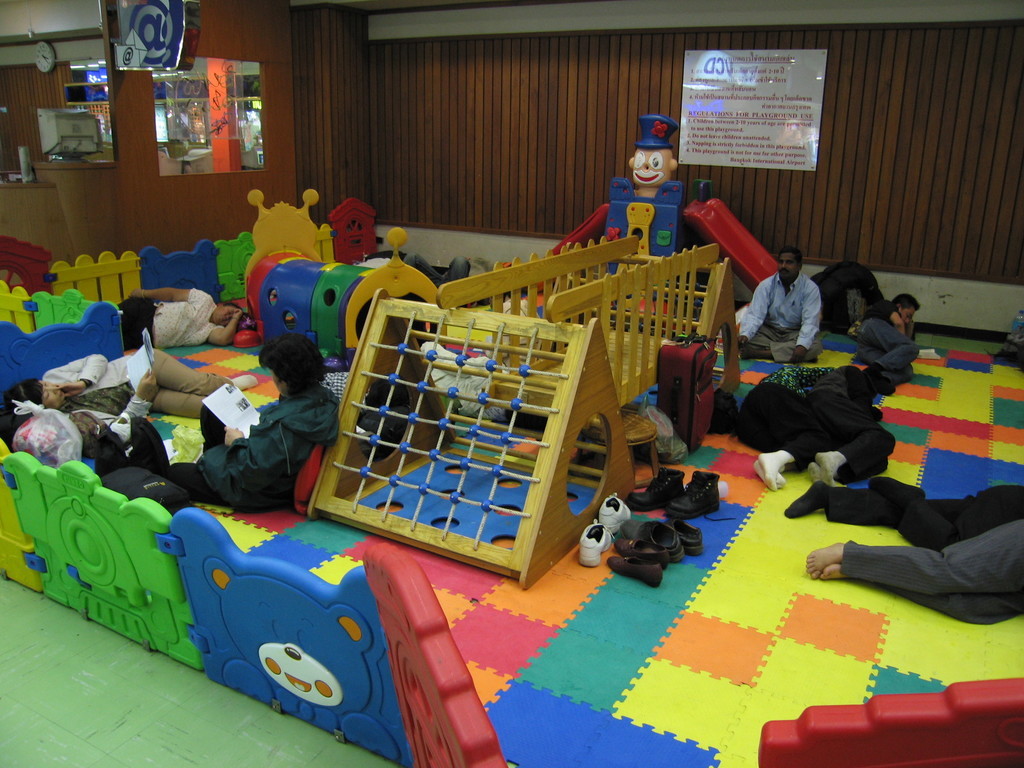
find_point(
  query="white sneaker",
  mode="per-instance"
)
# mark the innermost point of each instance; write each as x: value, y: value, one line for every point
x: 613, y: 514
x: 595, y: 540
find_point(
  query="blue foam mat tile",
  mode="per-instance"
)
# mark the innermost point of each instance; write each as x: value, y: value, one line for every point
x: 839, y: 344
x: 558, y: 732
x: 945, y: 471
x: 968, y: 365
x: 292, y: 551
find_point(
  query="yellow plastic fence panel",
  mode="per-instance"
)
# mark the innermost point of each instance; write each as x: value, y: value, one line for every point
x: 106, y: 278
x: 325, y: 244
x: 12, y: 307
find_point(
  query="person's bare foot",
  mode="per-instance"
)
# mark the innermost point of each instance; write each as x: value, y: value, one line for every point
x: 825, y: 563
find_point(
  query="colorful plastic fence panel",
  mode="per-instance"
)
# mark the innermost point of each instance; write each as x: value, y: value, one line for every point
x: 69, y: 307
x: 969, y: 725
x: 25, y: 355
x: 23, y: 263
x: 436, y: 691
x: 284, y: 636
x: 106, y: 278
x: 232, y: 256
x: 13, y: 308
x: 14, y: 544
x: 182, y: 269
x: 98, y: 553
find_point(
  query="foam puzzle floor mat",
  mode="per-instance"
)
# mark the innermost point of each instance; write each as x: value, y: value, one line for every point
x: 590, y: 668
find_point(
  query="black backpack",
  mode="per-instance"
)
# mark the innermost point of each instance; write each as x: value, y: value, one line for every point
x: 145, y: 449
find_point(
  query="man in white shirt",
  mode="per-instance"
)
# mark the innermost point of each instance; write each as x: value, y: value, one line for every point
x: 781, y: 323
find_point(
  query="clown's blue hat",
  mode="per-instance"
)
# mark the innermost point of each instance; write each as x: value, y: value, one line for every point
x: 655, y: 131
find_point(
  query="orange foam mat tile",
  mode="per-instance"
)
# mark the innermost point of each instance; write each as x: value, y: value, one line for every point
x: 1008, y: 393
x: 488, y: 683
x: 556, y: 596
x: 1011, y: 435
x: 840, y: 628
x: 972, y: 446
x: 224, y: 356
x: 908, y: 453
x: 919, y: 392
x: 720, y: 648
x: 454, y: 605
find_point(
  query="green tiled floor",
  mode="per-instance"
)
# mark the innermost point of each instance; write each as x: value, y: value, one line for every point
x: 73, y: 693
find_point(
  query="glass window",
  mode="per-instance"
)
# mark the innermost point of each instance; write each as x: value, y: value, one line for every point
x: 208, y: 119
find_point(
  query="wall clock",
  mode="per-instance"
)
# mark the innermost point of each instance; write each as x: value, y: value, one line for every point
x: 46, y: 57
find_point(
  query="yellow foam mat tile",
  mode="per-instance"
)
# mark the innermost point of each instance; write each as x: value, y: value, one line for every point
x: 1012, y: 452
x: 664, y: 695
x: 244, y: 535
x: 937, y: 647
x: 746, y: 598
x: 333, y: 570
x: 808, y: 675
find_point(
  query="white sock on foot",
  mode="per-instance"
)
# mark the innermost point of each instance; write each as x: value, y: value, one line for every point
x: 769, y: 467
x: 829, y: 462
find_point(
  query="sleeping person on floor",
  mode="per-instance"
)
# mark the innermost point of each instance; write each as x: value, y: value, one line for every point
x: 96, y: 393
x: 819, y: 419
x: 967, y: 558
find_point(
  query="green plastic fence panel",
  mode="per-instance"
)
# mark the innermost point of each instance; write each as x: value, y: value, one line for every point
x: 232, y: 258
x: 101, y: 554
x: 69, y: 307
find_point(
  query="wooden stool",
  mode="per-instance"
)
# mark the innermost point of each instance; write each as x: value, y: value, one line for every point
x: 641, y: 431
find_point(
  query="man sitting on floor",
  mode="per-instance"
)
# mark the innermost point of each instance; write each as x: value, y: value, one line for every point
x: 781, y: 323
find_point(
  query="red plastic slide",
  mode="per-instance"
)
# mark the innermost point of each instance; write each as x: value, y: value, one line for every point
x: 714, y: 222
x: 977, y: 724
x: 592, y: 228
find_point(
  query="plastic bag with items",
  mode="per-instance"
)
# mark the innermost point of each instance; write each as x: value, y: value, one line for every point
x: 49, y: 435
x: 671, y: 447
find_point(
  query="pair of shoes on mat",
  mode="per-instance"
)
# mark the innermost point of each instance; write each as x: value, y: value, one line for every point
x: 652, y: 546
x: 664, y: 487
x: 699, y: 498
x: 680, y: 500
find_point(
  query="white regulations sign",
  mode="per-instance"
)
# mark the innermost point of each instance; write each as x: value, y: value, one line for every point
x: 752, y: 109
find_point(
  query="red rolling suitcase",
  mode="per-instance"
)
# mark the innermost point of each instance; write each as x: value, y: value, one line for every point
x: 685, y: 390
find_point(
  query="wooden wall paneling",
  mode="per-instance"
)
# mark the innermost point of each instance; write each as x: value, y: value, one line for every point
x: 923, y: 149
x: 938, y: 210
x: 837, y: 215
x: 907, y: 159
x: 962, y: 257
x: 986, y: 176
x: 873, y: 225
x: 1011, y: 148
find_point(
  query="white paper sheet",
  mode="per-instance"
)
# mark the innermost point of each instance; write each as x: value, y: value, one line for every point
x: 141, y: 361
x: 231, y: 406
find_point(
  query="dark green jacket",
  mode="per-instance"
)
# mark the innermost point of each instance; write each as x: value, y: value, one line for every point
x: 259, y: 471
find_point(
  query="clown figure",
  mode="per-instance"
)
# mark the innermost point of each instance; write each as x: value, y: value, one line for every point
x: 650, y: 204
x: 653, y: 162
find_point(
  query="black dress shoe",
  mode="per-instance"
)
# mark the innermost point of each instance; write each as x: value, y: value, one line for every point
x: 644, y: 570
x: 699, y: 498
x: 690, y: 536
x: 662, y: 489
